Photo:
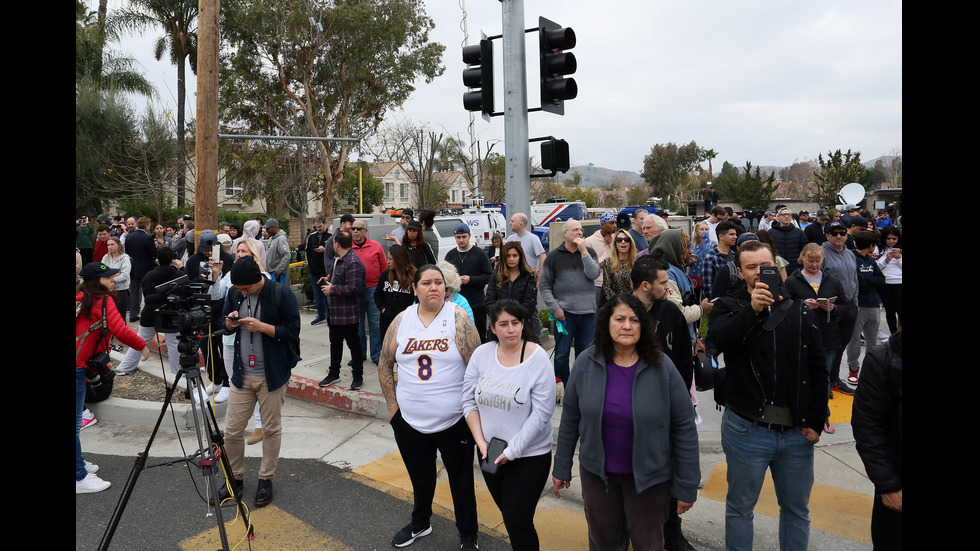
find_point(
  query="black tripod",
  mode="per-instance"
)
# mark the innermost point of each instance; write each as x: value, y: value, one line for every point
x: 210, y: 443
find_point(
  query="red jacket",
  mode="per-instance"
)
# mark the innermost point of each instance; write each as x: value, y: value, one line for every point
x: 101, y: 249
x: 117, y: 328
x: 375, y: 261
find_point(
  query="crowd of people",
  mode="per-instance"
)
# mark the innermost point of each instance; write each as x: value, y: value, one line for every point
x: 457, y: 347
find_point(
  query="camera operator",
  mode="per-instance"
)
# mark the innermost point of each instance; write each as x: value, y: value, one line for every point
x: 198, y: 269
x: 167, y: 269
x: 97, y: 320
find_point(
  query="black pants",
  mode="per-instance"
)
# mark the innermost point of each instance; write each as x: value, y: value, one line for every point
x: 846, y: 327
x: 613, y: 507
x: 891, y: 299
x: 886, y: 527
x: 338, y: 335
x: 418, y: 451
x: 516, y: 489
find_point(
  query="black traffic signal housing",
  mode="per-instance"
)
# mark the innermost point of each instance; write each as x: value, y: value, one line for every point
x: 554, y: 155
x: 555, y: 63
x: 478, y: 77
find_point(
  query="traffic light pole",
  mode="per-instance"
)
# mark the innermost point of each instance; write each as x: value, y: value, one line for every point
x: 516, y: 166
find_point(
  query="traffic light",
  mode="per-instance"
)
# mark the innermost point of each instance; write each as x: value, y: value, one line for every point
x: 478, y: 77
x: 555, y: 64
x: 554, y: 155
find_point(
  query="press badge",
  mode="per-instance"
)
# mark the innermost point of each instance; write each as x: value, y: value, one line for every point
x: 251, y: 360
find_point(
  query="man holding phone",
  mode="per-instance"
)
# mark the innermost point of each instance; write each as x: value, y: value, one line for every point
x: 775, y: 394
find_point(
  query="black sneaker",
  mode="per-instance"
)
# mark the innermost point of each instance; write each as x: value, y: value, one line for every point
x: 468, y: 543
x: 677, y: 542
x: 841, y: 386
x: 317, y: 321
x: 407, y: 535
x: 357, y: 384
x: 329, y: 380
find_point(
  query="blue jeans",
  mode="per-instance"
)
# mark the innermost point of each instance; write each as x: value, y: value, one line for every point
x: 319, y: 298
x: 749, y: 451
x: 374, y: 323
x: 581, y: 330
x: 80, y: 471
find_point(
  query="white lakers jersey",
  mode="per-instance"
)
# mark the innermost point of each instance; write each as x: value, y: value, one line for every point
x: 430, y: 370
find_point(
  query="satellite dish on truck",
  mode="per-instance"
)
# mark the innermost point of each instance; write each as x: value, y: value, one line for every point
x: 851, y: 194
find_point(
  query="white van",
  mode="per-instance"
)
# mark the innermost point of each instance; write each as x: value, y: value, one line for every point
x: 483, y: 223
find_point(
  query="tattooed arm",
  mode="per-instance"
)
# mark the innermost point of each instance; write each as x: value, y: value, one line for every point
x: 467, y: 339
x: 386, y: 365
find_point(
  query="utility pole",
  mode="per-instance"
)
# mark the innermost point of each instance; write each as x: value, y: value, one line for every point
x: 516, y: 167
x: 206, y: 148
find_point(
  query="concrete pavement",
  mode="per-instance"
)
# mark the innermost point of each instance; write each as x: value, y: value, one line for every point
x: 352, y: 434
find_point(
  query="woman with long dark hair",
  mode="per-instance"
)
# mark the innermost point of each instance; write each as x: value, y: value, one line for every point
x: 627, y: 403
x: 514, y: 279
x: 394, y: 291
x: 509, y: 394
x: 889, y: 255
x: 97, y: 320
x: 414, y: 242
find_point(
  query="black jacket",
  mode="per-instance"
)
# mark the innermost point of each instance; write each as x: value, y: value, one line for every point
x: 784, y: 366
x: 798, y: 288
x: 476, y: 264
x: 877, y: 415
x: 790, y: 241
x: 523, y: 289
x: 675, y: 338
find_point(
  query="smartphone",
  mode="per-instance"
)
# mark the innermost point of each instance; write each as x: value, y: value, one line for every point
x: 216, y: 253
x: 496, y: 447
x: 770, y: 276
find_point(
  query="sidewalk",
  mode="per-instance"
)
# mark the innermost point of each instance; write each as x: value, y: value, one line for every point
x: 354, y: 434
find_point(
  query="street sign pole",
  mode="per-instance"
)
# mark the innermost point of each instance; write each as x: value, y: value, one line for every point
x: 516, y: 167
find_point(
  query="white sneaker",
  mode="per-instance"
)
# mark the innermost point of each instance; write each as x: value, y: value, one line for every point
x: 223, y: 395
x: 91, y: 484
x: 208, y: 389
x: 91, y: 467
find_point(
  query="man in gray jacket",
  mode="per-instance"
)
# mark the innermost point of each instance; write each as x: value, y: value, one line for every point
x: 277, y: 252
x: 567, y: 287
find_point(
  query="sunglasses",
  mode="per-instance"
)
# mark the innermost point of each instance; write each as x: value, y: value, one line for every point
x: 837, y: 233
x: 622, y: 240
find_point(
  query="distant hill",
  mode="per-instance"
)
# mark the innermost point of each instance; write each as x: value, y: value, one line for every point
x: 595, y: 176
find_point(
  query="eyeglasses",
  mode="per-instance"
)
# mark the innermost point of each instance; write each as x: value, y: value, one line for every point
x: 622, y: 240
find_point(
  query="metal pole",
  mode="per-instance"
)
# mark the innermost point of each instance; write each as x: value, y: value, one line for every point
x: 516, y: 167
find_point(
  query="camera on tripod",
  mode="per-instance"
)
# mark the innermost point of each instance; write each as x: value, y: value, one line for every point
x: 188, y: 308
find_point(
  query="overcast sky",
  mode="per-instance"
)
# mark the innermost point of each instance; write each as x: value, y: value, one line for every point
x: 768, y: 81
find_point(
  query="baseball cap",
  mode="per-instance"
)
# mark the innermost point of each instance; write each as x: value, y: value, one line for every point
x: 461, y: 228
x: 95, y: 270
x: 623, y: 221
x: 834, y: 226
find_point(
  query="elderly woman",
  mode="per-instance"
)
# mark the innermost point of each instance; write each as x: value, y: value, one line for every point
x: 627, y: 403
x: 453, y: 284
x: 509, y: 393
x: 617, y: 268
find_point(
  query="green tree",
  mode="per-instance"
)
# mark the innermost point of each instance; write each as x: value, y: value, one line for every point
x: 337, y: 66
x: 834, y: 173
x: 492, y: 179
x: 350, y: 186
x: 750, y: 190
x: 178, y: 20
x: 668, y: 168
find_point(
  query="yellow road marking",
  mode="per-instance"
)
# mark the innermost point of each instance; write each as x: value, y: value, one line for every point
x: 832, y: 510
x: 560, y: 527
x: 275, y: 530
x: 840, y: 408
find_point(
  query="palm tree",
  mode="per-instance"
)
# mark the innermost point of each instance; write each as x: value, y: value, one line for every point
x: 709, y: 154
x: 98, y: 67
x: 178, y: 19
